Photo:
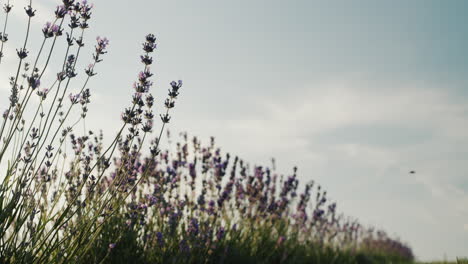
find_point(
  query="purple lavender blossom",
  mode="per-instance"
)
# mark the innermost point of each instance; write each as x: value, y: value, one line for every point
x: 74, y: 98
x: 47, y: 30
x: 160, y: 239
x: 61, y: 11
x: 220, y: 234
x: 102, y: 42
x: 30, y: 11
x: 34, y: 82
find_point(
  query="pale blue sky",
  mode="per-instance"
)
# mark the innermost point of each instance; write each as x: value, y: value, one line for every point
x: 356, y: 93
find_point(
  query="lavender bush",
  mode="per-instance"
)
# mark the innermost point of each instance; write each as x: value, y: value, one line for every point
x: 130, y: 202
x: 197, y: 204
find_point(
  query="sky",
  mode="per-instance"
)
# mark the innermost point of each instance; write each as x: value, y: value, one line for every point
x: 355, y: 93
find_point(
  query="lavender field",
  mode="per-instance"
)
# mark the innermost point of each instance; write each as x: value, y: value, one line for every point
x: 92, y: 170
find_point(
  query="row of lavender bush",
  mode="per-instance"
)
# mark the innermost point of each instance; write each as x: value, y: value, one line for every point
x: 130, y: 202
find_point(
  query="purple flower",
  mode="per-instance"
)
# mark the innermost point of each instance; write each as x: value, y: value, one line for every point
x: 175, y: 89
x: 149, y: 47
x: 90, y: 70
x: 43, y: 93
x: 56, y: 30
x: 142, y: 76
x: 29, y: 11
x: 60, y: 11
x: 193, y: 227
x: 184, y: 247
x: 150, y: 38
x: 148, y: 126
x: 280, y: 241
x: 85, y: 9
x: 84, y: 4
x: 142, y: 206
x: 101, y: 47
x: 34, y: 82
x: 22, y: 53
x: 160, y: 238
x: 147, y: 60
x: 102, y: 42
x: 68, y: 3
x: 211, y: 207
x: 176, y: 85
x: 47, y: 30
x: 152, y: 200
x: 165, y: 118
x: 74, y: 98
x: 220, y: 233
x: 70, y: 59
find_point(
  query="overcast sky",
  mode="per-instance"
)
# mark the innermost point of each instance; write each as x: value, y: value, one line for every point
x: 355, y: 93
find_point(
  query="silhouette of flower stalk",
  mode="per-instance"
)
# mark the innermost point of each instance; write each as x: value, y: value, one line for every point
x: 40, y: 197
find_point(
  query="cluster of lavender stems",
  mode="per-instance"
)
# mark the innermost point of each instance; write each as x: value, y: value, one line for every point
x: 193, y: 202
x: 46, y: 193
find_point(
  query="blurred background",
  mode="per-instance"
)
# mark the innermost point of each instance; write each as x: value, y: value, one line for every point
x: 356, y: 94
